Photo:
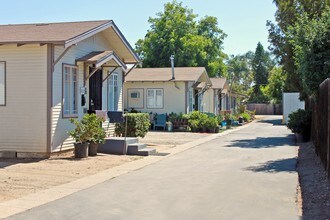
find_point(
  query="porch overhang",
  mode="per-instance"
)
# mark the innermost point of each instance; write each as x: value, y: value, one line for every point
x: 100, y: 58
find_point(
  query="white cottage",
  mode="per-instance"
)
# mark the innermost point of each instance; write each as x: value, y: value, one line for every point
x: 52, y: 72
x: 161, y: 90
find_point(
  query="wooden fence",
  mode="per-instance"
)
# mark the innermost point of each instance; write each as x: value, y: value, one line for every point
x: 320, y: 135
x: 265, y: 109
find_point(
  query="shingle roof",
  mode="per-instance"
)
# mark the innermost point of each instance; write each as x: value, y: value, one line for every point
x: 46, y: 32
x: 165, y: 74
x: 218, y: 83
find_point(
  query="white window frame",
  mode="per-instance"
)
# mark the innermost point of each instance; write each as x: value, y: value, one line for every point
x: 191, y: 100
x: 113, y: 96
x: 3, y: 84
x: 72, y: 111
x: 156, y: 103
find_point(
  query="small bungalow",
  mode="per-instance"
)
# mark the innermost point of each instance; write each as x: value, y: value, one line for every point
x: 52, y: 72
x: 166, y: 90
x: 217, y: 98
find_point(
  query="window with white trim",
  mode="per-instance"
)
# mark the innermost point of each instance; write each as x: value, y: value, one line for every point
x: 70, y: 91
x: 155, y: 98
x: 113, y: 92
x: 191, y: 99
x: 2, y: 83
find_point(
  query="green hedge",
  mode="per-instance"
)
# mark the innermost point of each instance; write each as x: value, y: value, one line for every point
x: 300, y: 122
x: 137, y: 125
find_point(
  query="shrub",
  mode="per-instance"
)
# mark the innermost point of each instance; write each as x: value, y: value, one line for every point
x: 88, y: 129
x: 251, y: 113
x: 300, y: 122
x: 137, y: 125
x: 199, y: 117
x: 246, y: 116
x: 193, y: 124
x: 220, y: 118
x: 212, y: 122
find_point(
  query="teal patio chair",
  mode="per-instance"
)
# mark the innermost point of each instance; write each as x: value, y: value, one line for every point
x: 160, y: 121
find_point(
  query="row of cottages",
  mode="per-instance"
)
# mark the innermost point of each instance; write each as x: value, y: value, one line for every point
x: 178, y: 90
x: 52, y: 72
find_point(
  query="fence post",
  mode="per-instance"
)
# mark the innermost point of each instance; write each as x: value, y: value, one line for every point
x: 328, y: 138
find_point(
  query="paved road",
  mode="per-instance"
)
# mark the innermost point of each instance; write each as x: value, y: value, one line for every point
x: 247, y: 174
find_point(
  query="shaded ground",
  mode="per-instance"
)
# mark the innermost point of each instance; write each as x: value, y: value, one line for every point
x: 314, y: 185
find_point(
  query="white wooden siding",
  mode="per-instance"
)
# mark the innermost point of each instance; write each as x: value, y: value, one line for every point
x: 60, y: 126
x: 23, y: 121
x: 174, y: 98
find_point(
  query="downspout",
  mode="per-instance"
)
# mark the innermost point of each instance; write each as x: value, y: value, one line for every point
x: 49, y: 93
x: 172, y: 65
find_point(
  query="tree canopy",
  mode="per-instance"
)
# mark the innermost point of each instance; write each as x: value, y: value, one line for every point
x: 176, y: 31
x: 310, y: 39
x: 287, y: 14
x: 239, y: 72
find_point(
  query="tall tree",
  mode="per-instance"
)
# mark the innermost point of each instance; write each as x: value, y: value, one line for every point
x: 176, y: 31
x: 310, y: 39
x: 276, y: 83
x: 239, y: 72
x: 261, y: 65
x: 286, y: 15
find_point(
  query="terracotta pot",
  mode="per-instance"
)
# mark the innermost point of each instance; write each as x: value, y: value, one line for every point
x: 81, y: 150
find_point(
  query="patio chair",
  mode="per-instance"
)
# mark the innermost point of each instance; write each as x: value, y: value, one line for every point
x: 160, y: 121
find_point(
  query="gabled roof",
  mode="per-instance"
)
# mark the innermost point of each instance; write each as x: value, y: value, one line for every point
x: 182, y: 74
x: 101, y: 57
x: 66, y: 34
x: 218, y: 83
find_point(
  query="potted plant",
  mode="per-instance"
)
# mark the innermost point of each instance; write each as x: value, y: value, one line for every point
x: 97, y: 134
x: 212, y: 124
x: 81, y: 134
x: 228, y: 121
x: 169, y: 126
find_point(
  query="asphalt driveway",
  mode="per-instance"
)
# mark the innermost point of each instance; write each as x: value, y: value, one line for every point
x: 247, y: 174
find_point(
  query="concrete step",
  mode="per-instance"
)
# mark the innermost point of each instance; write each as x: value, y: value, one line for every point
x: 145, y: 152
x: 132, y: 148
x: 116, y: 145
x: 129, y: 140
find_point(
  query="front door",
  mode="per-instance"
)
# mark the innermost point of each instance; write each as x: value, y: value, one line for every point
x: 95, y: 91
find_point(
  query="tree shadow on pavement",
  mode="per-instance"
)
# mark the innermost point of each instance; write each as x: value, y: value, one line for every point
x: 264, y: 142
x: 276, y: 166
x: 275, y: 122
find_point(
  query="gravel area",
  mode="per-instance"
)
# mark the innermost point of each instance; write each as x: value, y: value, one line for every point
x: 314, y: 185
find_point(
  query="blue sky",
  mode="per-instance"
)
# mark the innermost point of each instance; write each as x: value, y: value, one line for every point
x: 244, y: 21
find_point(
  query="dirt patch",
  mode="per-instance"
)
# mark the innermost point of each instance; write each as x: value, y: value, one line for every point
x: 314, y: 185
x: 20, y: 177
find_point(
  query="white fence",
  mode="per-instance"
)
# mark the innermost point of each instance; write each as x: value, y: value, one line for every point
x: 291, y: 103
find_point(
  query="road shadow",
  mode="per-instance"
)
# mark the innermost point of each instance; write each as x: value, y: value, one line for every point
x: 264, y: 142
x: 275, y: 122
x: 276, y: 166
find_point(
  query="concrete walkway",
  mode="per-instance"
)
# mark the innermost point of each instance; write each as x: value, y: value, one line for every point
x: 247, y: 174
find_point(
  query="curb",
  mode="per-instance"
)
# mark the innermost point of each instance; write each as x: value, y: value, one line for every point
x: 30, y: 201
